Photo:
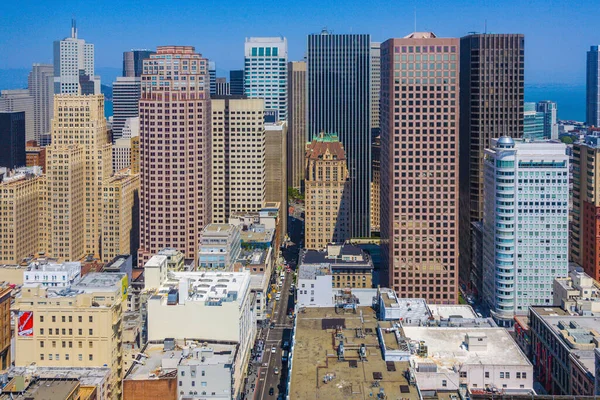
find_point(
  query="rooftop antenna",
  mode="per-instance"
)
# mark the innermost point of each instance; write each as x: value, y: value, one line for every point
x: 73, y: 27
x: 415, y: 19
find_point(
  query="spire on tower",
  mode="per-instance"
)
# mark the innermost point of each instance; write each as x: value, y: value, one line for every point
x: 73, y: 28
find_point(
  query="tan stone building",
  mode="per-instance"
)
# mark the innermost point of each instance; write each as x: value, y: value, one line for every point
x: 327, y: 190
x: 5, y: 328
x: 119, y: 203
x: 80, y: 121
x: 376, y: 184
x: 79, y: 327
x: 65, y: 216
x: 238, y: 154
x: 21, y: 214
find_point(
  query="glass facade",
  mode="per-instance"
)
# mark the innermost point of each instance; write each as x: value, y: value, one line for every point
x: 533, y: 123
x: 339, y: 101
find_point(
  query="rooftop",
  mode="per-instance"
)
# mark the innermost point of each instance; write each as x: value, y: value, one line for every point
x: 439, y: 311
x: 46, y: 389
x: 87, y: 376
x: 577, y: 331
x: 318, y: 374
x: 446, y: 346
x: 252, y: 257
x: 338, y: 255
x: 156, y: 261
x: 325, y: 143
x: 95, y: 281
x: 258, y: 234
x: 312, y: 271
x: 207, y: 286
x: 223, y: 229
x: 53, y: 267
x: 160, y: 361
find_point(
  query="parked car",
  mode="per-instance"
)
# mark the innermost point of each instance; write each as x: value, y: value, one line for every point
x: 271, y: 392
x: 276, y: 371
x: 278, y: 296
x: 273, y: 350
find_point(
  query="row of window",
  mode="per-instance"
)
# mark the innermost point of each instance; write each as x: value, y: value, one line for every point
x: 69, y: 318
x: 57, y: 357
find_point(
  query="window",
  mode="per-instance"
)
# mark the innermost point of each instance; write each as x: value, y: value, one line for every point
x: 42, y: 357
x: 180, y: 383
x: 80, y: 357
x: 203, y: 373
x: 501, y: 375
x: 41, y: 320
x: 80, y: 318
x: 523, y: 375
x: 507, y: 374
x: 91, y: 357
x: 50, y: 357
x: 70, y: 318
x: 444, y: 383
x: 41, y: 331
x: 41, y: 343
x: 203, y: 384
x: 463, y: 374
x: 64, y: 319
x: 53, y: 318
x: 80, y: 331
x: 518, y: 375
x: 193, y: 383
x: 54, y: 343
x: 182, y: 373
x: 80, y: 344
x: 91, y: 331
x: 67, y: 357
x: 57, y: 357
x: 91, y: 344
x: 91, y: 319
x: 487, y: 374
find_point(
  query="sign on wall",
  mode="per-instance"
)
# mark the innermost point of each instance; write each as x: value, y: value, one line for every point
x: 25, y: 326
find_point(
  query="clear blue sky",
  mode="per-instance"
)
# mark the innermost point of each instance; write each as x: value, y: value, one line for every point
x: 557, y: 33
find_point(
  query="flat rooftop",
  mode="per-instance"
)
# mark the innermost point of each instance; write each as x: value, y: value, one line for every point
x: 208, y: 285
x: 222, y: 229
x: 53, y: 267
x: 315, y: 358
x: 258, y: 235
x: 46, y: 389
x: 312, y: 271
x: 87, y: 376
x: 95, y: 281
x: 157, y: 363
x: 446, y: 346
x: 443, y: 311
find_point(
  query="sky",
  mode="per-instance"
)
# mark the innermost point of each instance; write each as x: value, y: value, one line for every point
x: 557, y: 33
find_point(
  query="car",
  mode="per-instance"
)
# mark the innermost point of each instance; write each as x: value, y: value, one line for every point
x: 278, y: 296
x: 276, y: 371
x: 272, y: 325
x: 286, y: 344
x: 271, y: 392
x: 273, y: 350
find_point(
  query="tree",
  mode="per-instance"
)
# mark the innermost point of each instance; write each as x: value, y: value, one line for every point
x: 566, y: 139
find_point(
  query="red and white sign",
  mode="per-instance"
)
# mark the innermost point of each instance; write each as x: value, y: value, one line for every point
x: 25, y: 327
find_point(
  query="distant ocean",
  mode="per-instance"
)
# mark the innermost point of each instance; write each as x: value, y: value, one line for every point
x: 570, y: 98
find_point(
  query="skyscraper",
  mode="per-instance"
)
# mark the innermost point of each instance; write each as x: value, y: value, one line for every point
x: 297, y: 139
x: 419, y: 159
x: 549, y: 109
x: 238, y: 154
x: 533, y: 122
x: 265, y: 73
x: 339, y: 101
x: 212, y: 73
x: 73, y: 58
x: 592, y: 112
x: 12, y: 137
x: 491, y: 105
x: 375, y: 86
x: 41, y: 88
x: 327, y: 193
x: 585, y: 230
x: 175, y: 160
x: 133, y: 62
x: 376, y: 184
x: 236, y: 82
x: 19, y: 100
x: 78, y: 143
x: 275, y: 169
x: 525, y: 225
x: 126, y: 97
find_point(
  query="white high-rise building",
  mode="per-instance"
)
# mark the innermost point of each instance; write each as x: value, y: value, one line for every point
x: 74, y: 66
x: 18, y: 100
x: 525, y: 224
x: 265, y: 73
x: 126, y: 98
x: 40, y: 84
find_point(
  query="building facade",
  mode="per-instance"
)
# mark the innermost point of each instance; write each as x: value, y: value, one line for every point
x: 74, y: 64
x: 327, y: 193
x: 296, y: 137
x: 265, y: 73
x: 35, y: 156
x: 585, y: 227
x: 238, y: 157
x: 525, y: 225
x: 12, y: 135
x: 169, y: 201
x: 88, y: 132
x: 375, y: 85
x: 5, y: 327
x: 22, y: 215
x: 77, y: 328
x: 19, y: 100
x: 419, y: 194
x: 133, y: 62
x: 222, y: 87
x: 533, y: 122
x: 592, y: 103
x: 120, y: 215
x: 276, y: 184
x: 40, y: 84
x: 339, y: 102
x: 126, y: 98
x: 376, y: 184
x: 491, y: 105
x: 549, y: 109
x: 236, y: 82
x: 220, y: 246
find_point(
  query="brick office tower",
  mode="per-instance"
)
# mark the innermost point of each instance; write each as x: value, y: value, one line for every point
x: 419, y: 149
x: 174, y: 151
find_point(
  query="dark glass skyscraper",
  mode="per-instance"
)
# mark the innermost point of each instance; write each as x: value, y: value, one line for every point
x: 491, y: 106
x: 592, y: 114
x: 133, y: 62
x: 12, y: 137
x: 236, y: 82
x: 339, y: 101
